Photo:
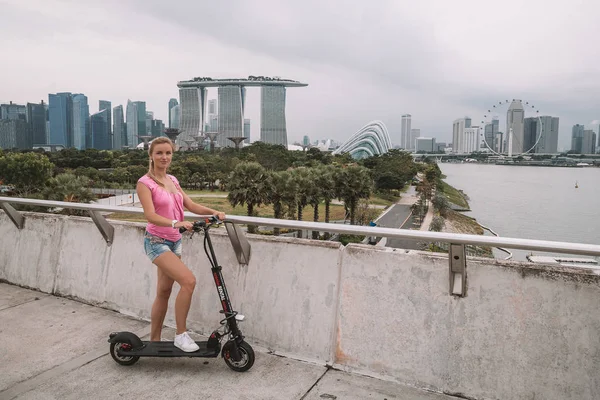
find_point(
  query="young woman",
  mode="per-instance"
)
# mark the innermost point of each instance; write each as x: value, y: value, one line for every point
x: 163, y: 201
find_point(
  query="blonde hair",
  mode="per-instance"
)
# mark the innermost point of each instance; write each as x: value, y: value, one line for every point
x: 153, y: 144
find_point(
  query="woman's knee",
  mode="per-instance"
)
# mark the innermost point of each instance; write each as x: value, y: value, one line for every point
x: 164, y: 291
x: 188, y: 282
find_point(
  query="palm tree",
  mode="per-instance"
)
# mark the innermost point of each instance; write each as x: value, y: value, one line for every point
x: 282, y: 190
x: 315, y: 195
x: 325, y: 179
x: 353, y: 183
x: 68, y: 187
x: 247, y: 184
x: 303, y: 178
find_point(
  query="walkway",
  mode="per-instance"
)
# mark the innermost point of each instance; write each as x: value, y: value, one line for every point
x: 54, y: 348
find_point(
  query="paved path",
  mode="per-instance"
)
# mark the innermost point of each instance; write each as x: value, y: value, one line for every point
x: 54, y: 348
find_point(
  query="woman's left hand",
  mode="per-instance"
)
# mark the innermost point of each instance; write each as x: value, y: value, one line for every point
x: 220, y: 215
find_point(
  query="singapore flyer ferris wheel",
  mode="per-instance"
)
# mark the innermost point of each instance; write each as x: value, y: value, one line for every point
x: 522, y: 131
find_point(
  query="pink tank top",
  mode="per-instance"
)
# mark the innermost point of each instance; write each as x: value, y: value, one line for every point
x: 166, y: 204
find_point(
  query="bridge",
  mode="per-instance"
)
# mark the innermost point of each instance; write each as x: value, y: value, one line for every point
x: 352, y: 321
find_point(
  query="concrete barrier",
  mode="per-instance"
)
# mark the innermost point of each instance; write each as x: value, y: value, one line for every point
x: 524, y: 331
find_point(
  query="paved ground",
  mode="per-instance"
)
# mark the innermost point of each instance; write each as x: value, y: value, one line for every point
x: 54, y: 348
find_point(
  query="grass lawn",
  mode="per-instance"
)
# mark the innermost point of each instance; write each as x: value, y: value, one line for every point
x: 205, y: 192
x: 221, y: 204
x: 453, y: 195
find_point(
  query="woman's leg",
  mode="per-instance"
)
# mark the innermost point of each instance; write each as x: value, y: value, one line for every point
x: 175, y: 269
x: 161, y: 303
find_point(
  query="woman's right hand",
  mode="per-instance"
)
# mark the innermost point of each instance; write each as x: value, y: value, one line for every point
x: 184, y: 224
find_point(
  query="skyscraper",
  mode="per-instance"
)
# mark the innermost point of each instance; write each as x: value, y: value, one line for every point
x: 212, y: 107
x: 583, y: 141
x: 106, y: 105
x: 515, y: 116
x: 149, y: 119
x: 60, y: 119
x: 231, y: 113
x: 142, y: 122
x: 548, y: 143
x: 36, y: 118
x: 175, y: 117
x: 82, y: 137
x: 414, y: 134
x: 191, y: 113
x: 172, y: 103
x: 272, y: 115
x: 470, y: 141
x: 100, y: 133
x: 491, y: 130
x: 458, y: 135
x: 405, y: 132
x: 133, y: 124
x: 119, y: 137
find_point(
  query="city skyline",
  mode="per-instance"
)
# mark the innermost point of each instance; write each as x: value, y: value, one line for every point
x: 452, y: 69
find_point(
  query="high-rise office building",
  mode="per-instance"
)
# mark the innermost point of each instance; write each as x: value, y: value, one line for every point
x: 172, y: 103
x: 231, y: 114
x: 60, y: 119
x: 577, y: 138
x: 158, y: 128
x: 531, y: 133
x: 13, y: 111
x: 458, y: 137
x: 142, y: 118
x: 515, y: 132
x: 426, y: 145
x: 491, y: 130
x: 82, y: 138
x: 36, y: 118
x: 305, y: 141
x: 107, y: 105
x: 15, y: 133
x: 133, y: 124
x: 149, y: 119
x: 548, y: 143
x: 247, y: 130
x: 191, y: 103
x: 470, y: 140
x: 100, y: 133
x: 583, y: 141
x: 414, y: 134
x: 272, y: 115
x: 175, y: 117
x: 405, y: 131
x: 119, y: 136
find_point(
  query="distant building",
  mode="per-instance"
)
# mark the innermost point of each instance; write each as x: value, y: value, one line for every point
x: 37, y: 120
x: 470, y: 140
x: 172, y: 103
x: 13, y: 111
x: 231, y: 114
x: 458, y: 135
x: 106, y: 105
x: 548, y: 143
x: 81, y: 124
x: 426, y: 145
x: 247, y: 130
x: 100, y: 132
x: 588, y: 144
x: 158, y: 128
x: 272, y: 115
x: 530, y: 134
x: 60, y: 119
x: 491, y: 131
x: 405, y: 131
x: 372, y: 139
x: 15, y: 133
x: 515, y: 117
x: 175, y: 117
x: 305, y: 141
x: 577, y: 138
x: 119, y: 136
x: 149, y: 119
x: 212, y: 107
x: 414, y: 134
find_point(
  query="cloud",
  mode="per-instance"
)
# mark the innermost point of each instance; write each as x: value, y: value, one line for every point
x: 434, y: 59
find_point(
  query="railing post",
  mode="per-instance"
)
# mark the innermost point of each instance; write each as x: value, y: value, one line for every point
x: 458, y: 270
x: 106, y: 229
x: 13, y: 214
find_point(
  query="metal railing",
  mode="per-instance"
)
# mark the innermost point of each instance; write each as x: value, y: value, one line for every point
x: 456, y: 241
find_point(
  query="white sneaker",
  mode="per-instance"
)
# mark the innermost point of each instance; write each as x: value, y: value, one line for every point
x: 185, y: 343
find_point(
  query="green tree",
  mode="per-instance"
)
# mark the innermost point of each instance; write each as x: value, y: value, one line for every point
x: 248, y: 185
x: 28, y: 172
x: 71, y: 188
x: 282, y: 190
x: 305, y: 186
x: 353, y: 183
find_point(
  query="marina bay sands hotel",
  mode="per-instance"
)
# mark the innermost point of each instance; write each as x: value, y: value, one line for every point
x: 231, y: 101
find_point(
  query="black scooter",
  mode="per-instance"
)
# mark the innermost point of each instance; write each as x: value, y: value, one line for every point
x: 126, y: 348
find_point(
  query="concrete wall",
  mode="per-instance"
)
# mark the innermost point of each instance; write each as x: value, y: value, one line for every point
x: 522, y: 332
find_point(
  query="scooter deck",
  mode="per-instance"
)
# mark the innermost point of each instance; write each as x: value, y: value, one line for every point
x: 168, y: 349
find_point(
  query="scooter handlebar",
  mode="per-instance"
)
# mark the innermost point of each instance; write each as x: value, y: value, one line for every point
x: 200, y: 224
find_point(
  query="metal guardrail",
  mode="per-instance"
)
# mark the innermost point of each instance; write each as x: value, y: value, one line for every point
x: 457, y: 241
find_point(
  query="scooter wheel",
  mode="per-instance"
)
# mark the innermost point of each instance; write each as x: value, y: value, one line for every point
x: 245, y: 363
x: 122, y: 360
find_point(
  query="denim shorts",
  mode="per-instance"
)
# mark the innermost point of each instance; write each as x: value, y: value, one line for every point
x: 155, y: 246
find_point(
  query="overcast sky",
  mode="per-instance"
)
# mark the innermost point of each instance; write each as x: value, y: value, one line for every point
x: 438, y: 60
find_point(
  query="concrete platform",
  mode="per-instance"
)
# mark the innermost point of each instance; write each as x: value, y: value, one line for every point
x: 55, y: 348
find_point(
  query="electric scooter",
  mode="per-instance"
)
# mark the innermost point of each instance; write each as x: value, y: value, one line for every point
x: 126, y: 348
